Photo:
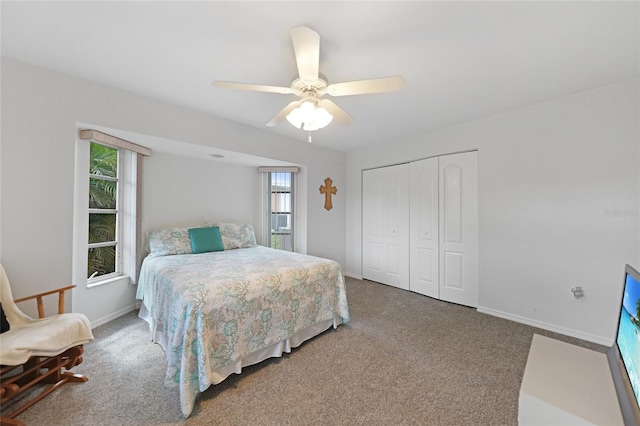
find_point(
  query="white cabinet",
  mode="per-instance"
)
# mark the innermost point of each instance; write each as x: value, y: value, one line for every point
x: 420, y: 227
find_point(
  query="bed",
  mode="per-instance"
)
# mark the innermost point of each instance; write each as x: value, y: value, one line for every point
x: 216, y: 312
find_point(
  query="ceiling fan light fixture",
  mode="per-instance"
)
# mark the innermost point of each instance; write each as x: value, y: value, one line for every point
x: 312, y: 111
x: 323, y: 118
x: 309, y: 116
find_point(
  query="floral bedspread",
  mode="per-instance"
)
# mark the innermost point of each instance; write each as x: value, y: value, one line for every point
x: 214, y: 309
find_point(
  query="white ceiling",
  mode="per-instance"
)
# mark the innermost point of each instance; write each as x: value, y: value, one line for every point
x: 461, y: 60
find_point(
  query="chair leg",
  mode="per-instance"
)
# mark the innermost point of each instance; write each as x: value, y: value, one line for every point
x: 4, y: 421
x: 74, y: 378
x: 40, y: 370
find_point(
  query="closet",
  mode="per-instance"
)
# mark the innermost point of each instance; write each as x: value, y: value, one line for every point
x: 420, y: 227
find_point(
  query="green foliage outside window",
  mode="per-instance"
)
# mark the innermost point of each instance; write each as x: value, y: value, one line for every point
x: 276, y: 241
x: 103, y: 194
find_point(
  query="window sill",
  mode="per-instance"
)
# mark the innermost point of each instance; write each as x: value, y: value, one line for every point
x: 119, y: 278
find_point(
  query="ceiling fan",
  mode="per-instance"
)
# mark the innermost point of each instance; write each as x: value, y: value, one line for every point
x: 312, y: 111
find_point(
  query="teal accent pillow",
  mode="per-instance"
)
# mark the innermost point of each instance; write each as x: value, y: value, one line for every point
x: 204, y: 240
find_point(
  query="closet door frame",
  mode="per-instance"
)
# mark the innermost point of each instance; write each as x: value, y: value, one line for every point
x: 432, y: 249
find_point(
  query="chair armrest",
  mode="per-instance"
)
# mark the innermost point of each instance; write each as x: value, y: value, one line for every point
x: 39, y: 297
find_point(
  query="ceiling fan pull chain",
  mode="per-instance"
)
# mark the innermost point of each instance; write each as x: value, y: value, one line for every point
x: 309, y: 137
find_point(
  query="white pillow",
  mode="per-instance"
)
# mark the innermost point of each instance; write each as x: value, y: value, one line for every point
x: 237, y: 235
x: 164, y: 242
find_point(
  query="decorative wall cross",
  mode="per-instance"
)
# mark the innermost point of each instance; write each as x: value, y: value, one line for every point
x: 327, y: 190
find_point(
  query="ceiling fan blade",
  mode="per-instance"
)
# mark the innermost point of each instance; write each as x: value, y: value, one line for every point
x: 361, y: 87
x: 253, y: 87
x: 306, y: 45
x: 283, y: 113
x: 338, y: 113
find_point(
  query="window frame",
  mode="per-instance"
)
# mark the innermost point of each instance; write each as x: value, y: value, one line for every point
x: 130, y: 189
x: 269, y: 213
x: 118, y: 243
x: 131, y: 168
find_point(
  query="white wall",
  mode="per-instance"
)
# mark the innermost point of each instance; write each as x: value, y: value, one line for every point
x: 182, y: 191
x: 550, y: 175
x: 40, y: 110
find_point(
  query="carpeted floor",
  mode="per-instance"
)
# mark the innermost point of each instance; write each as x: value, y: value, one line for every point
x: 403, y: 359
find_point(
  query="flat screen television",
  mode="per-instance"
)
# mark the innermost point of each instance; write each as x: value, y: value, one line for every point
x: 624, y: 355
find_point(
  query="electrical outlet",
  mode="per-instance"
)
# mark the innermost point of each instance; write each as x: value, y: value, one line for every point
x: 578, y: 293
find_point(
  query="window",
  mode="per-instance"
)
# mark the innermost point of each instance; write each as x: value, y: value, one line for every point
x: 278, y: 207
x: 105, y: 198
x: 106, y: 209
x: 280, y: 210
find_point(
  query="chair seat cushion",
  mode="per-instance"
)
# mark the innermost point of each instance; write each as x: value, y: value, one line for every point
x: 44, y: 337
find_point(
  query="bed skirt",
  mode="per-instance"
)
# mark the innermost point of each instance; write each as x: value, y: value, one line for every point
x: 273, y: 351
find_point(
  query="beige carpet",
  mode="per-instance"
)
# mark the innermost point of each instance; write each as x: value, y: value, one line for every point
x: 403, y: 359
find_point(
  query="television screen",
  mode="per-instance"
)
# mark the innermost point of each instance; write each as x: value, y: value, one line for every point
x: 624, y: 355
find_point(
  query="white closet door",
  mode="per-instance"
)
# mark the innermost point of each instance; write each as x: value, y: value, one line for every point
x: 385, y: 225
x: 372, y: 225
x: 423, y: 275
x: 459, y: 228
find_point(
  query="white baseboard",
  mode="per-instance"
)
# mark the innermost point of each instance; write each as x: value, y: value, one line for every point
x: 352, y: 275
x: 547, y: 326
x: 120, y: 312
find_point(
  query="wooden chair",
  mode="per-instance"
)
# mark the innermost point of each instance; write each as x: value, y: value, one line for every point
x: 35, y: 351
